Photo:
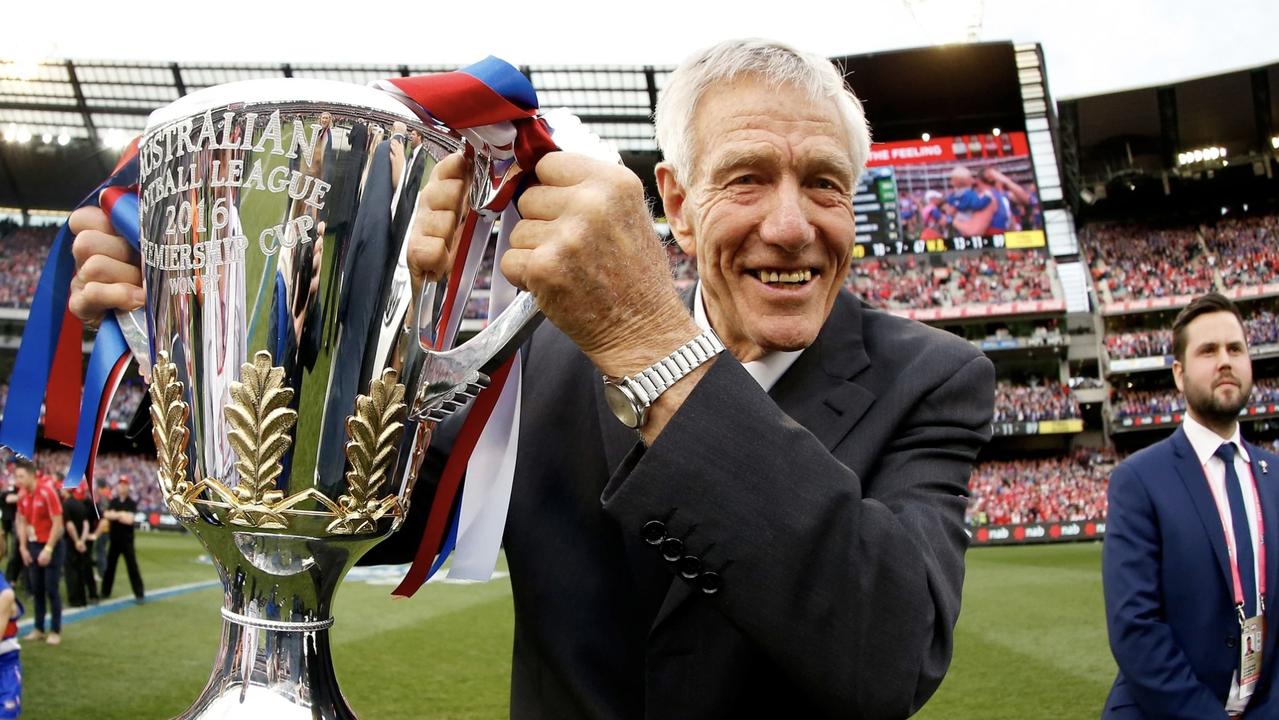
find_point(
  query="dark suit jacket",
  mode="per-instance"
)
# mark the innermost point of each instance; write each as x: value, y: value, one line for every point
x: 809, y: 544
x: 1169, y: 605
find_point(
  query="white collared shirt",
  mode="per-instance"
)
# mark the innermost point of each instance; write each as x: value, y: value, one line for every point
x: 766, y: 370
x: 1205, y: 443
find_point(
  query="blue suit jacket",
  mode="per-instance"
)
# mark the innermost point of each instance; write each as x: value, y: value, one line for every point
x: 1169, y: 606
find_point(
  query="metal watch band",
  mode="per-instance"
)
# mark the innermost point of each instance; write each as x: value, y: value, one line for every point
x: 649, y: 383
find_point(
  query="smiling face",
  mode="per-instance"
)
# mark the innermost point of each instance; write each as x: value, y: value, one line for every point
x: 767, y: 213
x: 1216, y: 373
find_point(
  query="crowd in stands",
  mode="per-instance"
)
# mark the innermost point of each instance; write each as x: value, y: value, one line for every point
x: 1133, y: 262
x: 123, y: 405
x: 22, y: 254
x: 126, y: 400
x: 1261, y: 327
x: 1069, y: 487
x: 108, y: 469
x: 1034, y: 402
x: 1138, y: 344
x: 980, y: 278
x: 1247, y: 249
x: 1136, y: 403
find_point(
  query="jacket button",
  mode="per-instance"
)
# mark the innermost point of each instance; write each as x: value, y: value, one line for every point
x: 710, y: 582
x: 653, y: 532
x: 689, y: 567
x: 672, y: 548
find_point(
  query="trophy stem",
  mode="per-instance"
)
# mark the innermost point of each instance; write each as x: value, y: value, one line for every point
x: 271, y: 669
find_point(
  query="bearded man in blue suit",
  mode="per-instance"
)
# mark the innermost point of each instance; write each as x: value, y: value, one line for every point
x: 1188, y: 575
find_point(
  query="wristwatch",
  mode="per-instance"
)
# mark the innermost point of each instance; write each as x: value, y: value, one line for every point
x: 630, y: 397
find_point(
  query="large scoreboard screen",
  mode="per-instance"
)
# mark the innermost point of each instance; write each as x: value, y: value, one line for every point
x: 966, y: 192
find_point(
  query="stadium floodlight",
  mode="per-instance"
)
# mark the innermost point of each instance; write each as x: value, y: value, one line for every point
x: 996, y: 132
x: 925, y: 137
x: 24, y: 135
x: 63, y: 138
x: 1274, y: 141
x: 115, y: 139
x: 46, y: 138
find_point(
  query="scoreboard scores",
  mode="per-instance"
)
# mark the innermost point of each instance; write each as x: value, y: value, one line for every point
x: 968, y: 192
x: 877, y: 248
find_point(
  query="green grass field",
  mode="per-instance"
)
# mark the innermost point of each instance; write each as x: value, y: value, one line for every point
x: 1031, y: 644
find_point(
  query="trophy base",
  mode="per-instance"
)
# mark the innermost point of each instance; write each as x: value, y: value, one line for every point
x: 271, y: 670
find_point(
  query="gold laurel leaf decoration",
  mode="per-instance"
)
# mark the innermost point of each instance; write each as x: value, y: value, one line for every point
x: 374, y: 431
x: 260, y: 420
x: 169, y: 430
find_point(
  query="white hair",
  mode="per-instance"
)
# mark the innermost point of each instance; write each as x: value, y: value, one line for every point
x: 775, y: 63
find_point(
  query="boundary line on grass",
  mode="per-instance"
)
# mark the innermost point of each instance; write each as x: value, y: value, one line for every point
x: 74, y: 615
x: 371, y: 575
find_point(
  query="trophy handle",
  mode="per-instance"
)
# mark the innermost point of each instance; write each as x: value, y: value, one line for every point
x: 451, y: 377
x: 133, y: 324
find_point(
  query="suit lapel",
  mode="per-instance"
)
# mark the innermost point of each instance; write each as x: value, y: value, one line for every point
x: 1192, y: 475
x: 815, y: 392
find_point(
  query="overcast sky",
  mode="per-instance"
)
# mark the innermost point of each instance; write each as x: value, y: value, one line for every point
x: 1092, y: 46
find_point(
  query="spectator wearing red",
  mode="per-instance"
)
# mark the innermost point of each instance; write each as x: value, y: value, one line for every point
x: 40, y: 530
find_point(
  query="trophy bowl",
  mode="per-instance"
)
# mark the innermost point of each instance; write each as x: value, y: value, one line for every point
x: 286, y: 353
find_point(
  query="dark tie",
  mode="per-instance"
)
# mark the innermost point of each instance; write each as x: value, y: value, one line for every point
x: 1243, y: 536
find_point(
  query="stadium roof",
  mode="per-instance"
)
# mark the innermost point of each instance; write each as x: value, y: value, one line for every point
x: 64, y: 122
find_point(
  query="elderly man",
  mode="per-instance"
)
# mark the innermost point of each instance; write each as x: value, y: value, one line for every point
x: 773, y: 531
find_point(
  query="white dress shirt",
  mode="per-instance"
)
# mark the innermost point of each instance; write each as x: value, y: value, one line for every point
x: 1205, y: 443
x: 766, y: 370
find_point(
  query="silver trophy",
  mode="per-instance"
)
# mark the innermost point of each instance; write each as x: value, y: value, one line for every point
x: 294, y: 386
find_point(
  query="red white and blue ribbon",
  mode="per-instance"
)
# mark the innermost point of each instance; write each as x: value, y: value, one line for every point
x: 498, y: 103
x: 47, y: 368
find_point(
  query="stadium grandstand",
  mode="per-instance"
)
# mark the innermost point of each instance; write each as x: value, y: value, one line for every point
x: 1060, y: 238
x: 1068, y: 279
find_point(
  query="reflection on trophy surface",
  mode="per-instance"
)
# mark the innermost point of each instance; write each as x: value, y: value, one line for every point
x: 286, y: 355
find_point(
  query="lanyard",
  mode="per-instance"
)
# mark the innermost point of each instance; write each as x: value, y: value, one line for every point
x: 1223, y: 511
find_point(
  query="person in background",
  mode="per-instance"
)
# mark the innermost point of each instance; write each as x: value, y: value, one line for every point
x: 82, y: 588
x: 10, y: 662
x: 40, y: 530
x: 101, y: 537
x: 8, y: 517
x: 121, y: 513
x: 1184, y: 566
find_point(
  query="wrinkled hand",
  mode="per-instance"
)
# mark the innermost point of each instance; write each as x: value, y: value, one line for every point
x: 108, y: 276
x: 587, y: 251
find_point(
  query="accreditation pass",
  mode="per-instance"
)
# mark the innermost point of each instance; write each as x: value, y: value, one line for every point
x: 1252, y: 631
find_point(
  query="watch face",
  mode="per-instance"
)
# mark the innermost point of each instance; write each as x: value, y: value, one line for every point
x: 621, y: 405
